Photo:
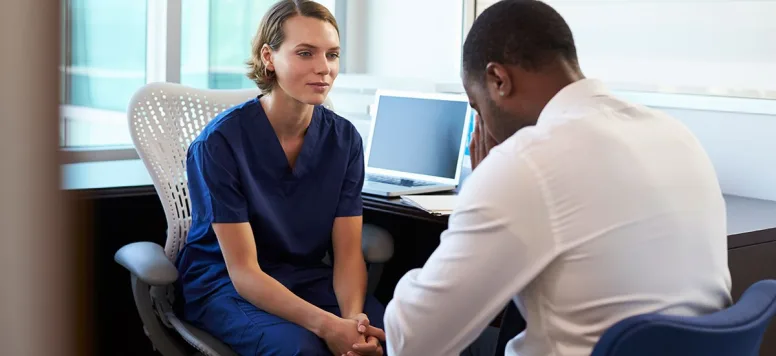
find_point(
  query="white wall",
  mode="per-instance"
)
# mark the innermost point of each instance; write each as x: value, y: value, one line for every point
x: 414, y: 38
x: 399, y: 45
x: 708, y: 47
x: 741, y: 146
x: 721, y: 47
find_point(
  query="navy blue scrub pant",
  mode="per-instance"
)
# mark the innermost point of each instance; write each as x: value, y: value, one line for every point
x: 250, y: 331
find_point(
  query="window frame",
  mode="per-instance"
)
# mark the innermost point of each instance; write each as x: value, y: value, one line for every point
x: 163, y: 64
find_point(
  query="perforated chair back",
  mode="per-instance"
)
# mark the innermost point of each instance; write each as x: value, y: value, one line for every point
x: 164, y: 118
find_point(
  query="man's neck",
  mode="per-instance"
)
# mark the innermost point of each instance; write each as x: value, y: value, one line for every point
x: 288, y: 117
x: 550, y: 82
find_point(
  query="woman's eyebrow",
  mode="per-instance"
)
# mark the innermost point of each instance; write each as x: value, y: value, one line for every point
x: 307, y: 45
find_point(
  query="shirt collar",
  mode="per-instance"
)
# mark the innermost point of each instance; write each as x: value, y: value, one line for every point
x: 571, y: 96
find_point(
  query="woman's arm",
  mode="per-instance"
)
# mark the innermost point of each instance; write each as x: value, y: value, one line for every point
x: 257, y: 287
x: 349, y: 265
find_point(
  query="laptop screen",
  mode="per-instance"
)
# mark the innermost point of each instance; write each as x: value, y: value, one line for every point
x: 419, y: 135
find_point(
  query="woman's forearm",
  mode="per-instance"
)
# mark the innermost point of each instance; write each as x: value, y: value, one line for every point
x: 269, y: 295
x: 350, y: 285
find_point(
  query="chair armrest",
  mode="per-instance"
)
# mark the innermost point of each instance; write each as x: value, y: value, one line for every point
x: 377, y: 244
x: 147, y: 261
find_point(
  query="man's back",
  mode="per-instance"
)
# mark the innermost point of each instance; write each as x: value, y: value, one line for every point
x: 636, y: 219
x: 601, y: 211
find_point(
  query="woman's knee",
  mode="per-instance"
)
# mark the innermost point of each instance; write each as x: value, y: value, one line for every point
x: 308, y: 343
x: 290, y: 339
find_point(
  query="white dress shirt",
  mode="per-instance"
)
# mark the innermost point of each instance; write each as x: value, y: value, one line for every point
x: 603, y: 210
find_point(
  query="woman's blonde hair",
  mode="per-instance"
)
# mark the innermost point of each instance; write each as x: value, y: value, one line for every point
x: 271, y: 33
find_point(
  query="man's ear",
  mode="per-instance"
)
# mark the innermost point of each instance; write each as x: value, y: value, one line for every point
x: 266, y: 57
x: 497, y: 81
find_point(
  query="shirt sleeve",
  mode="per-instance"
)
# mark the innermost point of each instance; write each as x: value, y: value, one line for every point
x: 498, y: 240
x: 350, y: 202
x: 214, y: 184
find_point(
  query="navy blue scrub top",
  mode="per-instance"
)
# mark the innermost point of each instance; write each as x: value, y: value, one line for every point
x: 238, y: 172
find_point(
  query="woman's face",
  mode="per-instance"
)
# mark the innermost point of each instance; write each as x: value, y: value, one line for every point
x: 307, y: 62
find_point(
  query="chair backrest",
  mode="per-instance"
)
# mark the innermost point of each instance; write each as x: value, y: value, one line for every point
x: 164, y: 118
x: 735, y: 331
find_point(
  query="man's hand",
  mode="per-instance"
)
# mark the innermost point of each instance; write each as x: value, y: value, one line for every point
x: 481, y: 143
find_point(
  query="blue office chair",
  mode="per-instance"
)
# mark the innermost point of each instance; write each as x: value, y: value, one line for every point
x: 735, y: 331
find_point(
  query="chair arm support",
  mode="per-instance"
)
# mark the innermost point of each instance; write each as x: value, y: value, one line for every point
x: 377, y: 244
x: 147, y: 261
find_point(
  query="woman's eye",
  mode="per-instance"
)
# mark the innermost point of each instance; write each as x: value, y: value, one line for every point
x: 334, y: 55
x: 305, y: 54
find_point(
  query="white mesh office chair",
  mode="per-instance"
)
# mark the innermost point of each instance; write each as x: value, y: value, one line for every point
x: 163, y: 120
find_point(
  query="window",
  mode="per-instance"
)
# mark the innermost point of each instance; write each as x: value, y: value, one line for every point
x: 711, y: 48
x: 111, y: 48
x: 103, y: 63
x: 216, y: 41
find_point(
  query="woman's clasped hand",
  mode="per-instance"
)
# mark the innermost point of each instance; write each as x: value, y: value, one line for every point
x: 354, y: 337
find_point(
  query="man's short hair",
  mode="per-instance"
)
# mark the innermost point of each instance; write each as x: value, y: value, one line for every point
x: 528, y: 33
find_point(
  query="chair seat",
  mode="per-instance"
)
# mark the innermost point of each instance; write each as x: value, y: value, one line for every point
x: 201, y: 340
x: 735, y: 331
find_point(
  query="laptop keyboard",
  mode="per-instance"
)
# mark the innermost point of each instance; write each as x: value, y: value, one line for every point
x: 397, y: 181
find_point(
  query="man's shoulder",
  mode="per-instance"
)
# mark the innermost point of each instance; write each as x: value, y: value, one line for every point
x: 501, y: 174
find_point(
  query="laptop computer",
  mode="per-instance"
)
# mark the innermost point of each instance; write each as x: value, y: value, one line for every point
x: 416, y: 143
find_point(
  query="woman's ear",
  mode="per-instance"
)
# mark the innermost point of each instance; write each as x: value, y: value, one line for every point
x: 266, y: 57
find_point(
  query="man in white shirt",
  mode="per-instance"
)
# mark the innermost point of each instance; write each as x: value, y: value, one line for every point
x: 588, y: 210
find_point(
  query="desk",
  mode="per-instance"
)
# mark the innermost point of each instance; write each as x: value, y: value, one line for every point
x: 126, y: 209
x: 750, y: 221
x: 130, y: 178
x: 108, y: 179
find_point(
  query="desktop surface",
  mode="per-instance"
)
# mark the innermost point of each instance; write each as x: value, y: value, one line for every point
x: 108, y: 178
x: 129, y: 177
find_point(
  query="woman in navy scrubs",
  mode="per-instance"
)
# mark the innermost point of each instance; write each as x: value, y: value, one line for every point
x: 275, y: 184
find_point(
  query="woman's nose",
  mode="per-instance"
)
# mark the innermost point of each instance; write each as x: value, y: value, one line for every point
x: 322, y: 66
